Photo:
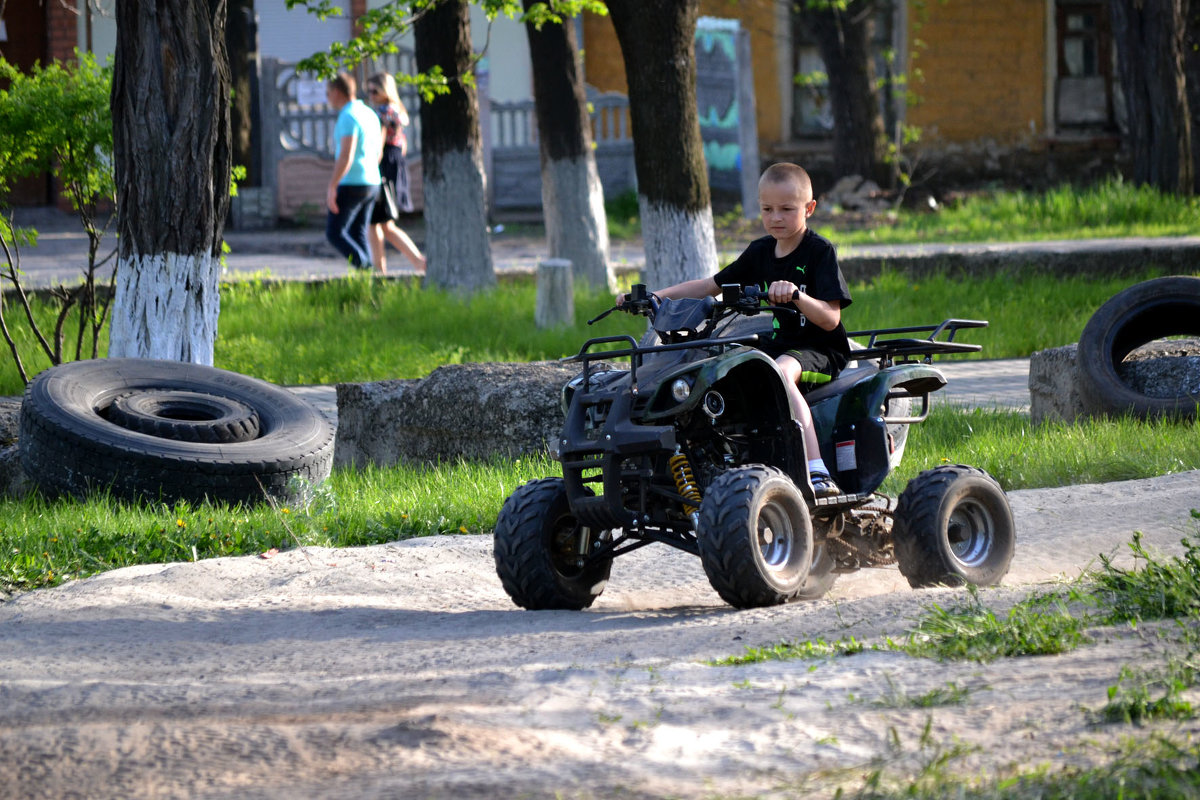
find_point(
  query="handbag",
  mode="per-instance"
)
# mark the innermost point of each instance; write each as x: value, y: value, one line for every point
x: 387, y: 196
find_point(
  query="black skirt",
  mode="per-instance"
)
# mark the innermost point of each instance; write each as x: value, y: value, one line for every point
x: 394, y: 169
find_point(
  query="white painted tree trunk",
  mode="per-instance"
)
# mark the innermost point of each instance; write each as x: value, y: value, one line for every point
x: 166, y: 306
x: 456, y: 240
x: 576, y: 223
x: 680, y: 245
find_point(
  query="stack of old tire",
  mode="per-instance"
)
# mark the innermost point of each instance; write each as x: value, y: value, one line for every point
x: 151, y: 430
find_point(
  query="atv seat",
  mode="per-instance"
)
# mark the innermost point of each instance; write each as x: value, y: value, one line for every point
x: 841, y: 383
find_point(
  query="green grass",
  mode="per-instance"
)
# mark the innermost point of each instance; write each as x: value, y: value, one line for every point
x: 1021, y: 455
x: 43, y: 543
x: 1109, y: 208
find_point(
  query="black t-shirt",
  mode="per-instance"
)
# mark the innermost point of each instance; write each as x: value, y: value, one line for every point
x: 813, y: 267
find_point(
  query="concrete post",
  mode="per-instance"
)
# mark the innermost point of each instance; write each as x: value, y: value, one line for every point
x: 555, y: 293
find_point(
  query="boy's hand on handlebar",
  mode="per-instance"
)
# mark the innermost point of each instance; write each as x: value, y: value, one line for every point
x: 782, y: 292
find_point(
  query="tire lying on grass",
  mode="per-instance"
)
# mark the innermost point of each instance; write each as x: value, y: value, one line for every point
x: 153, y: 430
x: 1133, y: 317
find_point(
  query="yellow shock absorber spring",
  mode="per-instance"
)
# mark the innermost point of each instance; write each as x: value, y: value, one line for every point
x: 681, y: 471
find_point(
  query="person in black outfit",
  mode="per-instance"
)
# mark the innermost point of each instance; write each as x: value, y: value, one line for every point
x: 809, y: 347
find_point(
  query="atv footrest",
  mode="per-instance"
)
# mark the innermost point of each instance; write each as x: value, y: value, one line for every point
x: 841, y: 500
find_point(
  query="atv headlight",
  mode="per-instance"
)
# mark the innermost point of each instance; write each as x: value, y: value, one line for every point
x: 681, y: 389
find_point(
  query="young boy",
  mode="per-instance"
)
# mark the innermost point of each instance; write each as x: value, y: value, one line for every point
x: 810, y: 346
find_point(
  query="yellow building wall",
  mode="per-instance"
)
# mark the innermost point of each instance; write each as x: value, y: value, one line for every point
x: 984, y: 66
x: 605, y: 69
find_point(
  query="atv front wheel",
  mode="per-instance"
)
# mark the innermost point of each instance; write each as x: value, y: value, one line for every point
x: 953, y: 525
x: 755, y: 537
x: 540, y: 550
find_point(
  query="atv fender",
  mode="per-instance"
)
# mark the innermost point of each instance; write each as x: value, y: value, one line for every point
x: 751, y: 364
x: 850, y: 416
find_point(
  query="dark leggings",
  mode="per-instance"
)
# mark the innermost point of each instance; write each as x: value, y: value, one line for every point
x: 347, y: 229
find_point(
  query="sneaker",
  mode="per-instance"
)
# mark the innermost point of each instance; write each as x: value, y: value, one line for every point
x: 823, y: 486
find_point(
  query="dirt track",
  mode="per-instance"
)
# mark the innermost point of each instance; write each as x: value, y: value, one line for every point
x: 404, y: 671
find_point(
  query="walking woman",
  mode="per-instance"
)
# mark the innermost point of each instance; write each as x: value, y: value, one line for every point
x: 393, y: 116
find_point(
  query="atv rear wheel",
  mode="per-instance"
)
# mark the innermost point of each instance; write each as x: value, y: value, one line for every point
x: 537, y: 548
x: 820, y: 575
x: 953, y: 525
x: 755, y: 537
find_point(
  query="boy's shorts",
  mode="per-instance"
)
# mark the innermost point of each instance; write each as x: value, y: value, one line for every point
x: 818, y: 367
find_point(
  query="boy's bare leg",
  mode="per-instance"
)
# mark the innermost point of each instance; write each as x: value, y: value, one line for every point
x: 792, y: 370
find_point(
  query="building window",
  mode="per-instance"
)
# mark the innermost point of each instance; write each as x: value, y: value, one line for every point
x: 1084, y: 86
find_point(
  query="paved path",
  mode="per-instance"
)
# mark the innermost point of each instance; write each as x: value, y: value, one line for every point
x: 303, y: 254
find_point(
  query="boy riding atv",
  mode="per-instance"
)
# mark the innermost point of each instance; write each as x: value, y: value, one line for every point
x: 796, y: 266
x: 704, y: 443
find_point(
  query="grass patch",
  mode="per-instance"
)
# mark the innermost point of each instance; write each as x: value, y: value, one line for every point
x: 788, y: 651
x: 1040, y: 625
x: 43, y: 543
x: 1021, y: 455
x: 1154, y: 588
x: 1109, y: 208
x: 1157, y: 768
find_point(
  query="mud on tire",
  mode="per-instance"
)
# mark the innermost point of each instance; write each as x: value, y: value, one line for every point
x: 183, y: 432
x: 536, y: 550
x: 953, y: 525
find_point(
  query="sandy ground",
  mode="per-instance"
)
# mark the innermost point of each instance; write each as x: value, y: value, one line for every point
x: 403, y: 670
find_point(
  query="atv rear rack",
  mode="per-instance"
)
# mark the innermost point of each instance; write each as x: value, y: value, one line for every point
x: 907, y: 349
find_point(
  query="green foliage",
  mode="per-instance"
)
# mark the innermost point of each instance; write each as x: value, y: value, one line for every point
x: 56, y: 119
x: 379, y: 28
x: 971, y: 631
x: 788, y: 651
x: 1159, y: 589
x: 1142, y: 695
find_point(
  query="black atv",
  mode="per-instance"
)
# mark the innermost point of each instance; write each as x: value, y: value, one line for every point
x: 694, y: 446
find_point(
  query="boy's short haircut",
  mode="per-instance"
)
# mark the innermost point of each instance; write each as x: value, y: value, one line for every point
x: 344, y: 82
x: 785, y: 172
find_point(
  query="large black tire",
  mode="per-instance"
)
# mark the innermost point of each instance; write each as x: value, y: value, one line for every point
x: 69, y: 444
x: 1129, y: 319
x: 187, y: 416
x: 953, y: 525
x: 755, y: 537
x: 536, y: 550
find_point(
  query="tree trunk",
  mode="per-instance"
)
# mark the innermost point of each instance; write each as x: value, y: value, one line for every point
x: 572, y: 197
x: 1191, y: 72
x: 171, y: 152
x: 456, y: 244
x: 657, y: 44
x: 844, y: 38
x: 241, y: 42
x: 1149, y: 39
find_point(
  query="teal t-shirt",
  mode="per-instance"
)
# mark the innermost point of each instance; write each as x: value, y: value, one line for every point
x: 356, y: 117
